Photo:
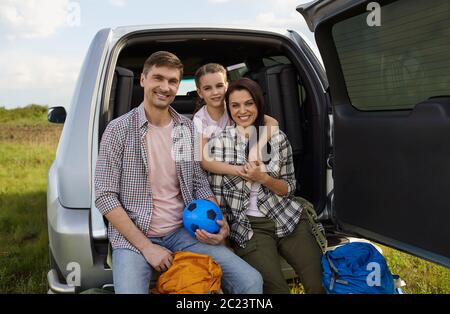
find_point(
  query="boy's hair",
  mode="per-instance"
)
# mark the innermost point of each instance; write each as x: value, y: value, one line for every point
x: 163, y: 58
x: 209, y: 68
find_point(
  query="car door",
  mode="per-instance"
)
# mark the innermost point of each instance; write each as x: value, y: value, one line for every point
x: 389, y: 75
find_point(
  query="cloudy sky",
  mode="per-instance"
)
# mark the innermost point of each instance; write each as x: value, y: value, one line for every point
x: 43, y: 42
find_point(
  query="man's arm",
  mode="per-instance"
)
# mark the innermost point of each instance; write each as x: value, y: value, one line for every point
x: 157, y: 256
x: 107, y: 188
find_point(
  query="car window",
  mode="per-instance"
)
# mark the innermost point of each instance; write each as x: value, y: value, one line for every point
x: 400, y: 63
x: 186, y: 85
x: 236, y: 71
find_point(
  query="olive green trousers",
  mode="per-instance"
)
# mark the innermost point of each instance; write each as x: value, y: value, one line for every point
x: 300, y: 249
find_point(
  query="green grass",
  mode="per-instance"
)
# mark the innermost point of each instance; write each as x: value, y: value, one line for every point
x: 27, y: 148
x: 420, y: 276
x: 30, y: 115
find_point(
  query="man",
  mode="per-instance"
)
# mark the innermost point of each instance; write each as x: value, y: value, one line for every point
x: 145, y: 175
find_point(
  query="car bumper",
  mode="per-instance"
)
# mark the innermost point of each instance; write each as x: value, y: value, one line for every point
x: 56, y: 286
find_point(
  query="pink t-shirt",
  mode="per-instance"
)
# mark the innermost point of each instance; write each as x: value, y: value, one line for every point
x: 167, y: 200
x: 208, y: 126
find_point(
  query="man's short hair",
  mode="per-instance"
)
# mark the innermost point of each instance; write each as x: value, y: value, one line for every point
x: 163, y: 58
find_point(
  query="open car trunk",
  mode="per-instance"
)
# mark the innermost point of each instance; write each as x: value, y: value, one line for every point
x: 291, y: 92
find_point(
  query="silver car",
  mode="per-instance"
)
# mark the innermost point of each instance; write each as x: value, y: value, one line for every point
x: 371, y: 138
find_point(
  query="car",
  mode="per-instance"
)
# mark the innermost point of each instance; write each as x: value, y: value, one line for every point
x: 370, y: 136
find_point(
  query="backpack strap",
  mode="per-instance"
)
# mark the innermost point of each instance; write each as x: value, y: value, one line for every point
x: 316, y: 227
x: 334, y: 274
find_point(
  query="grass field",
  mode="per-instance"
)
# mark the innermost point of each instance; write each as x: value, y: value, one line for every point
x: 27, y: 147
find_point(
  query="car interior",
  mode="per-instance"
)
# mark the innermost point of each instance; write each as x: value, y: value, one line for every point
x: 286, y: 97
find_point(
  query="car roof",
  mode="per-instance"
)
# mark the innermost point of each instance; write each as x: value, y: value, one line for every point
x: 124, y: 30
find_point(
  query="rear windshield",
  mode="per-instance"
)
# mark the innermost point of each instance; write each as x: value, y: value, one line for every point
x: 400, y: 63
x: 186, y: 85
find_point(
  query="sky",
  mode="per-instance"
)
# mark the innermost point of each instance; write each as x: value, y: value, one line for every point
x: 43, y: 42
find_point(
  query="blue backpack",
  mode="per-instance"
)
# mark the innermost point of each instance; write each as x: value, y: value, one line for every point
x: 356, y: 268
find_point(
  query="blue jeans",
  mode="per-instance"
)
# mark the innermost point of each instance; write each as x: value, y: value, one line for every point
x: 132, y: 272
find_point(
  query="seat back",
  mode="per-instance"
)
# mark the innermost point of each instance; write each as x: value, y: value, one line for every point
x: 120, y: 97
x: 280, y: 89
x: 121, y: 92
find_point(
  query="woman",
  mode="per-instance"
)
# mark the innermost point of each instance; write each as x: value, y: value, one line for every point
x: 265, y: 218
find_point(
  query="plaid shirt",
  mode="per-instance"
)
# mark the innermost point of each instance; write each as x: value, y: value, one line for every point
x: 233, y: 193
x: 121, y: 174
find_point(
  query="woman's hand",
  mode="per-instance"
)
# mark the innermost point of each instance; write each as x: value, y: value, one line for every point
x: 211, y: 238
x: 254, y: 171
x: 240, y: 172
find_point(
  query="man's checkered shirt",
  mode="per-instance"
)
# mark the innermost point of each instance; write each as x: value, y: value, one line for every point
x: 121, y: 174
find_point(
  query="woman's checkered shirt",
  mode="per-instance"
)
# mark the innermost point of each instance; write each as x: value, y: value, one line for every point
x: 233, y: 193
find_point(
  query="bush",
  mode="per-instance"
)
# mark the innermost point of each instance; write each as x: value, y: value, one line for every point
x: 31, y: 114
